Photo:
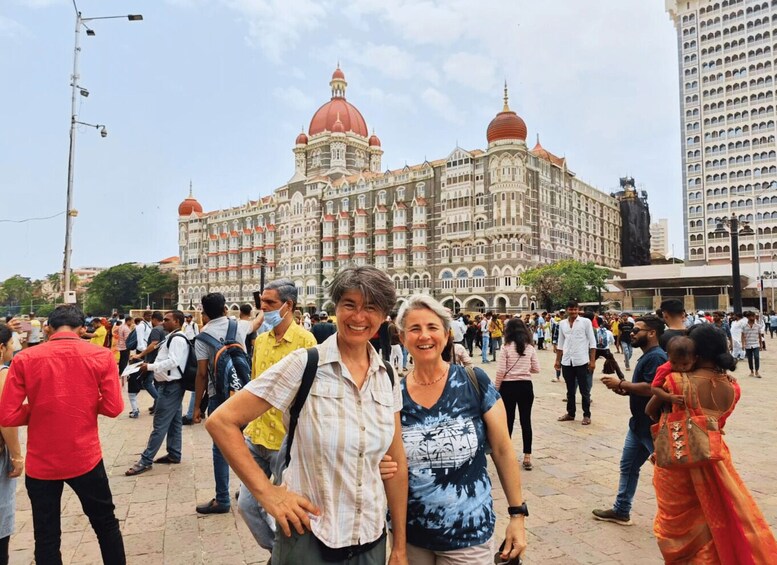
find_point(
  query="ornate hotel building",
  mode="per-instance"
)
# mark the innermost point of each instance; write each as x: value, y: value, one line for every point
x: 726, y: 55
x: 461, y: 228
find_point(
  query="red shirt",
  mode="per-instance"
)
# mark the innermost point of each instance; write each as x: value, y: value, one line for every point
x: 67, y: 382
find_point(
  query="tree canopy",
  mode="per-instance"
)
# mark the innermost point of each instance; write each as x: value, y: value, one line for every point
x: 126, y: 286
x: 557, y: 283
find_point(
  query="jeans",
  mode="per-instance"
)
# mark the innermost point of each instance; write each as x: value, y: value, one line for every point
x: 484, y: 349
x: 148, y: 384
x: 578, y: 377
x: 521, y: 394
x: 94, y: 492
x: 404, y: 357
x: 628, y: 351
x: 496, y: 345
x: 636, y: 450
x: 753, y: 358
x: 167, y: 422
x: 259, y: 522
x: 123, y: 360
x: 220, y: 465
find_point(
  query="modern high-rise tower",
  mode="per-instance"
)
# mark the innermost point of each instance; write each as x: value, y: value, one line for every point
x: 727, y: 98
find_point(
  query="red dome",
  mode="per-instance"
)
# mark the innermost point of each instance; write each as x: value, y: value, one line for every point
x: 506, y: 125
x: 374, y: 141
x: 302, y: 139
x: 325, y: 117
x: 338, y: 74
x: 188, y: 206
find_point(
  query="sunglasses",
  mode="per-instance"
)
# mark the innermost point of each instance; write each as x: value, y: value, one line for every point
x: 499, y: 561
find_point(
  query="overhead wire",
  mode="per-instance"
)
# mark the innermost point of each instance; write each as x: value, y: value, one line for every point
x: 25, y: 220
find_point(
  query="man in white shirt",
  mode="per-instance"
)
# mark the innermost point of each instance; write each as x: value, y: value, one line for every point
x: 167, y: 368
x: 576, y: 356
x: 143, y: 330
x: 190, y: 328
x: 485, y: 337
x: 458, y: 328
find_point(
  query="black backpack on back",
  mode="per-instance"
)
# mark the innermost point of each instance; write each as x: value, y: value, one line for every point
x: 189, y: 372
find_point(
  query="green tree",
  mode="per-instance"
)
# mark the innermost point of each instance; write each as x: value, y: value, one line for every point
x: 17, y: 292
x: 557, y: 283
x: 123, y: 286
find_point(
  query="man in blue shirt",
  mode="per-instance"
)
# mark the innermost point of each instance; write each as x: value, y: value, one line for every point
x: 639, y: 443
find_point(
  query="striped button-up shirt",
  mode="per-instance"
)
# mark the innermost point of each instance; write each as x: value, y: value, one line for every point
x: 342, y: 434
x: 751, y: 336
x: 268, y: 430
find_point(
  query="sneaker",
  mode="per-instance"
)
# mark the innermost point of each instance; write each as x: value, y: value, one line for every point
x: 186, y: 421
x: 611, y: 516
x: 134, y: 413
x: 213, y: 507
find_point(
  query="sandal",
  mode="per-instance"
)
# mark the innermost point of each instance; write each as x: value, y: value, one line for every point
x: 566, y: 418
x: 586, y: 421
x: 137, y: 469
x: 527, y: 465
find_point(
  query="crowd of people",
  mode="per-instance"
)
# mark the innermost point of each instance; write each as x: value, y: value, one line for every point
x: 334, y: 422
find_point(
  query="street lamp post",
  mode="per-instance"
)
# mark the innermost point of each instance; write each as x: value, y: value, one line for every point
x: 733, y: 224
x: 70, y: 213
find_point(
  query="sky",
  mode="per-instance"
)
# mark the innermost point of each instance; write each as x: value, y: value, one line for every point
x: 214, y: 92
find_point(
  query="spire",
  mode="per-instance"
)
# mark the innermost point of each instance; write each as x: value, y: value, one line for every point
x: 507, y: 99
x: 191, y: 194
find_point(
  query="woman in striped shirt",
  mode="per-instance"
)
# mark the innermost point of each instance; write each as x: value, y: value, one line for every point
x: 517, y: 361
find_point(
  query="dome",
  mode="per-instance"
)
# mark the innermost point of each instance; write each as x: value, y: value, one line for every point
x: 326, y: 116
x: 506, y: 125
x: 338, y: 108
x: 188, y: 206
x: 302, y: 139
x: 374, y: 140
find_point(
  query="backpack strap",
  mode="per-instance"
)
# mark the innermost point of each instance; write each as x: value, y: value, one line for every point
x: 473, y: 379
x: 302, y: 395
x: 208, y: 339
x: 169, y: 339
x: 390, y: 372
x: 231, y: 330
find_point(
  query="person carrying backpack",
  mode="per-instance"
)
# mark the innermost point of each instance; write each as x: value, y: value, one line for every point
x: 168, y: 369
x: 222, y: 368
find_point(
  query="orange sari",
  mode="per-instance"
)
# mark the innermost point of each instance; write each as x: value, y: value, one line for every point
x: 705, y: 514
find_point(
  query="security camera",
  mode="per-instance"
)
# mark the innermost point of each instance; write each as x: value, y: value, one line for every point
x: 84, y: 92
x: 103, y: 132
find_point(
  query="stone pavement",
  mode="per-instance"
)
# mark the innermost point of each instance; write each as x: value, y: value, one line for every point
x: 575, y: 470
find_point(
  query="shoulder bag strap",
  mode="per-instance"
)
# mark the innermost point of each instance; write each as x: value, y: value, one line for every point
x: 302, y: 395
x: 473, y: 379
x: 232, y: 330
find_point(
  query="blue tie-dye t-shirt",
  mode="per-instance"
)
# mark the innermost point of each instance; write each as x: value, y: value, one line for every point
x: 449, y: 504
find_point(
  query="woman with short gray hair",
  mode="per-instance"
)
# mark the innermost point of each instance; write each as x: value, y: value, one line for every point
x: 349, y: 422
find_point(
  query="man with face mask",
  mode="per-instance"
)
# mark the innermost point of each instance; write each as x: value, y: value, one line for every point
x: 265, y: 434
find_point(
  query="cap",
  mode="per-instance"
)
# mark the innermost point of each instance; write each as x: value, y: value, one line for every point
x: 187, y: 315
x: 701, y: 312
x: 323, y: 314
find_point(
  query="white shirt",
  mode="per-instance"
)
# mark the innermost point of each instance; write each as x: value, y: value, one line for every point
x: 190, y: 330
x: 576, y: 341
x: 458, y: 328
x: 484, y: 327
x: 736, y: 329
x: 142, y: 331
x: 169, y: 361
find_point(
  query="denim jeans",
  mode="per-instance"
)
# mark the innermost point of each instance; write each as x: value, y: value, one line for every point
x: 496, y: 345
x: 148, y: 384
x: 578, y: 377
x: 94, y: 492
x: 486, y: 340
x: 404, y: 357
x: 636, y: 450
x: 628, y: 351
x: 220, y: 465
x: 259, y: 522
x: 167, y: 422
x: 753, y: 358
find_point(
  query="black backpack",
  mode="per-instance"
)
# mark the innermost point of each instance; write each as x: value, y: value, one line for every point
x: 231, y: 368
x: 132, y: 340
x: 189, y: 372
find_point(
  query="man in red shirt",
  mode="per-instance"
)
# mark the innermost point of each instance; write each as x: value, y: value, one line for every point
x: 66, y: 382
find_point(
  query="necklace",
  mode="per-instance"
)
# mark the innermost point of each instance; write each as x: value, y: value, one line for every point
x: 435, y: 381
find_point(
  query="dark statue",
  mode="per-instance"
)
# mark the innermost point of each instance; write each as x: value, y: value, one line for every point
x: 635, y: 224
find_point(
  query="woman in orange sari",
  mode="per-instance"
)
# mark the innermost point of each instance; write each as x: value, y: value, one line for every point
x: 705, y: 514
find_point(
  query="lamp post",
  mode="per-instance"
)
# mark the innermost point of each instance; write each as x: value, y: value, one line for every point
x: 733, y: 224
x: 70, y: 213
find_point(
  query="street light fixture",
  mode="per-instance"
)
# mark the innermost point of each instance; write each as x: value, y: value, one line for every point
x: 76, y: 90
x: 733, y: 224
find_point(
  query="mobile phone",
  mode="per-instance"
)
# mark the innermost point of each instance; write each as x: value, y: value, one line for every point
x: 26, y: 326
x: 258, y: 299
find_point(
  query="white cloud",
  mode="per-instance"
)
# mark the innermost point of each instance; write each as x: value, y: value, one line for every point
x: 391, y: 100
x: 278, y: 26
x: 294, y: 98
x: 475, y: 71
x: 442, y: 104
x: 395, y: 63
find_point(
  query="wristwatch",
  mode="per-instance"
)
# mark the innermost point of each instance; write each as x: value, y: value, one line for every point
x: 521, y: 510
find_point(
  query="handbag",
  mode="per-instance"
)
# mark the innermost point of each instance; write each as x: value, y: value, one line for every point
x: 686, y: 437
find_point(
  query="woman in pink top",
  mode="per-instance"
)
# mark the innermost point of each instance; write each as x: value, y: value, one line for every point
x: 517, y: 361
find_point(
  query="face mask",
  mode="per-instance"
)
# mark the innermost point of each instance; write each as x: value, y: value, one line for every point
x: 273, y: 318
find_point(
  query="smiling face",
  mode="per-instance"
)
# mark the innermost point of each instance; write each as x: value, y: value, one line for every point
x: 424, y: 336
x: 357, y: 320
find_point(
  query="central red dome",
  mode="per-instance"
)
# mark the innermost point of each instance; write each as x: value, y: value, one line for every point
x: 506, y: 125
x: 188, y: 206
x: 325, y: 117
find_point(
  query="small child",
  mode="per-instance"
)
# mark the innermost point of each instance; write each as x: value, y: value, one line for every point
x: 681, y: 351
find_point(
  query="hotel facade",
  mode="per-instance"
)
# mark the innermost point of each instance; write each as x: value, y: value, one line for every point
x: 461, y: 228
